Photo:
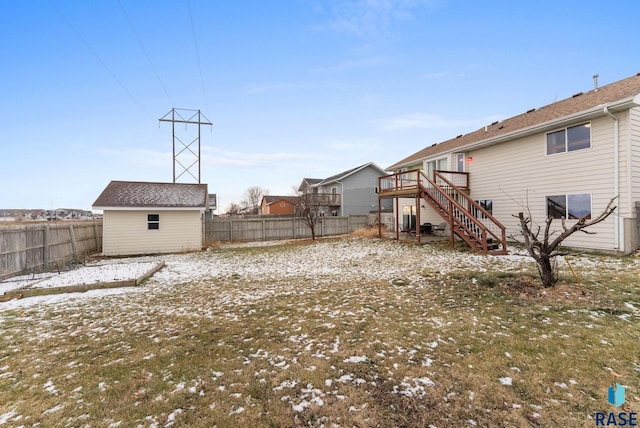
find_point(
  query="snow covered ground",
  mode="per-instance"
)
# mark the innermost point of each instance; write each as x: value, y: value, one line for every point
x: 199, y: 287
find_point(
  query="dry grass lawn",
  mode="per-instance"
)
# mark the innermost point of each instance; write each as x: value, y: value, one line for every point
x: 339, y: 332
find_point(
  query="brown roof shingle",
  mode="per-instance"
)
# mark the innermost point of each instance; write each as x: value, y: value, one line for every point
x: 134, y: 194
x: 617, y: 91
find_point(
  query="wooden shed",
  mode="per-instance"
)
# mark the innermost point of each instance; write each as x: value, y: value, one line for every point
x: 152, y: 218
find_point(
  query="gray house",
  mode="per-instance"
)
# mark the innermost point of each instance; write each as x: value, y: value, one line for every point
x: 349, y: 192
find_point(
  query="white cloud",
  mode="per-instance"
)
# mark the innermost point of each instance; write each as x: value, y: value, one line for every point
x: 220, y: 157
x: 349, y: 65
x: 427, y: 121
x: 350, y: 144
x: 275, y: 86
x: 372, y: 19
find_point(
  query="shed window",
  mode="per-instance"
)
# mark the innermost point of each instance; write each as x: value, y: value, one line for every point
x: 153, y: 221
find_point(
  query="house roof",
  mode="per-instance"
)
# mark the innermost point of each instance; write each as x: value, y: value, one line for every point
x: 345, y: 174
x: 270, y: 199
x: 309, y: 182
x: 133, y: 194
x: 622, y: 94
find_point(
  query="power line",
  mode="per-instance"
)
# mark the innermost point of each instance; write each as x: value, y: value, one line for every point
x: 195, y: 42
x: 104, y: 64
x: 146, y: 54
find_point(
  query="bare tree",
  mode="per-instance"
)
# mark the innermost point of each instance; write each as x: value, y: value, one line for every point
x: 308, y: 211
x: 234, y: 209
x: 544, y: 248
x: 252, y: 198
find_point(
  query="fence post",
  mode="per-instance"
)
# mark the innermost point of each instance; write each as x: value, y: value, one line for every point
x: 45, y: 246
x: 74, y: 244
x: 294, y: 228
x: 230, y: 230
x: 98, y: 239
x: 264, y: 232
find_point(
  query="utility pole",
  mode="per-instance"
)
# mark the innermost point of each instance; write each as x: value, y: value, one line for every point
x: 186, y: 151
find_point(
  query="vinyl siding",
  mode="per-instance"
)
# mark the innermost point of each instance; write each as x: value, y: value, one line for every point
x: 519, y: 173
x: 634, y: 135
x: 126, y: 233
x: 358, y: 192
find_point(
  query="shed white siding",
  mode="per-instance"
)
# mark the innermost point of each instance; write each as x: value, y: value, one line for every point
x: 126, y: 232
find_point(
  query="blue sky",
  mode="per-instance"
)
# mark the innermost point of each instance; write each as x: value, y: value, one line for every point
x: 294, y: 88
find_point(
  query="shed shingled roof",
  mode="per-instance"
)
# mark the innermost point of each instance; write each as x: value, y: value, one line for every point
x: 134, y: 194
x: 616, y: 91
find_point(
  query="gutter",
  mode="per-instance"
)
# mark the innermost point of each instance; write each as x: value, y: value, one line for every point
x: 616, y: 174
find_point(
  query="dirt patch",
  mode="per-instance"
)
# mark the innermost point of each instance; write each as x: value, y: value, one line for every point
x: 570, y: 293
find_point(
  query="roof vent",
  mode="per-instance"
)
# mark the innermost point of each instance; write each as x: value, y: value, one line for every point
x: 495, y: 122
x: 638, y: 74
x: 576, y: 95
x: 434, y: 144
x: 531, y: 111
x: 459, y: 136
x: 595, y: 83
x: 501, y: 126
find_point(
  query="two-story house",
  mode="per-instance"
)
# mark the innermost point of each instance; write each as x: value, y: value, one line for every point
x: 565, y: 160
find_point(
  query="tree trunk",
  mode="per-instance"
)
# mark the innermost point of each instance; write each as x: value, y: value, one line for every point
x: 313, y: 233
x: 547, y: 274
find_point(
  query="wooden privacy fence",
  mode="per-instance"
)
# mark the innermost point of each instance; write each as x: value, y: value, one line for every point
x: 267, y: 229
x: 40, y: 246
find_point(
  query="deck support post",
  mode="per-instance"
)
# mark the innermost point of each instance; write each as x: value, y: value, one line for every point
x: 418, y: 235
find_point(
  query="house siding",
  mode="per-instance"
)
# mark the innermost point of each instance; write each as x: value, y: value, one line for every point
x: 359, y: 192
x: 126, y: 233
x: 520, y: 174
x: 634, y: 135
x: 277, y: 208
x: 632, y: 227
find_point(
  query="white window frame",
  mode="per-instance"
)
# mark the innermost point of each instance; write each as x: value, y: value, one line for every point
x: 566, y: 139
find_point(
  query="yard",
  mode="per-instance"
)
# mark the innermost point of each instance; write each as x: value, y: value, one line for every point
x: 337, y: 332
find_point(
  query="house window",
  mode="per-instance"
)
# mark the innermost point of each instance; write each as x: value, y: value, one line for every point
x: 569, y: 139
x: 408, y: 217
x: 569, y: 206
x: 153, y: 221
x: 460, y: 162
x: 441, y: 164
x: 487, y: 205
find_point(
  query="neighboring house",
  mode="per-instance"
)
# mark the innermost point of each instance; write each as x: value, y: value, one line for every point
x: 279, y: 205
x: 566, y: 159
x: 152, y: 218
x: 350, y: 192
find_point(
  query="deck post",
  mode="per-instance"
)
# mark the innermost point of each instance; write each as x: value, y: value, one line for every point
x: 418, y: 217
x: 451, y: 225
x: 379, y: 223
x: 397, y: 214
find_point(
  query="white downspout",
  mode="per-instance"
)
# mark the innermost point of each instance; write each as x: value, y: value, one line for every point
x: 616, y: 175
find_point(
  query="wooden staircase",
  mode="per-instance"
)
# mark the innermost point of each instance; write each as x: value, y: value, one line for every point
x: 466, y: 218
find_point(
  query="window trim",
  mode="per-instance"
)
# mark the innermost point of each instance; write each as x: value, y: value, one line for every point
x: 566, y: 140
x: 153, y: 221
x: 566, y: 205
x: 487, y: 205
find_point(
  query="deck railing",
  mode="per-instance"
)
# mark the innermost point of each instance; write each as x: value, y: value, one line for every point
x: 447, y: 192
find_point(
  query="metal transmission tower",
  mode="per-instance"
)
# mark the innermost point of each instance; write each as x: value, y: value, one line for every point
x: 186, y: 151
